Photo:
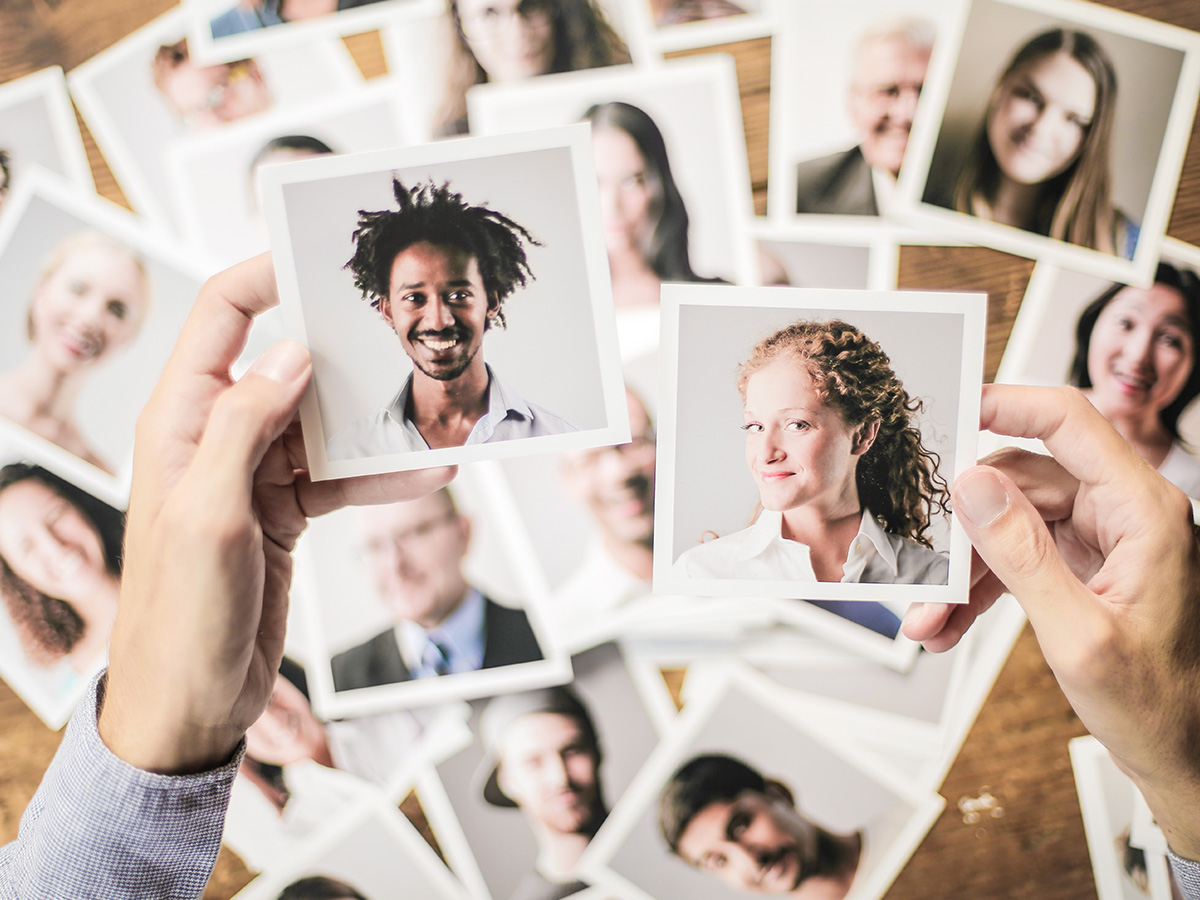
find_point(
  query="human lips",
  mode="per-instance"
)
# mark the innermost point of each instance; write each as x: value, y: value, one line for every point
x: 79, y: 343
x: 781, y: 868
x: 439, y: 341
x: 772, y: 476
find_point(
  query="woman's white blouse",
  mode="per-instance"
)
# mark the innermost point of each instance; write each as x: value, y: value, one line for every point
x: 760, y: 552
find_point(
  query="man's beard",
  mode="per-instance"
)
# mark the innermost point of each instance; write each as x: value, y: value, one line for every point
x: 443, y: 373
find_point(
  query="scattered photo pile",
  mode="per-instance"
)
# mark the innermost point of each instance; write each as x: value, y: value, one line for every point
x: 647, y: 643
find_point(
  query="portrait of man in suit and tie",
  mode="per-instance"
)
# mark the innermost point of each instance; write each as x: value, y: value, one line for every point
x: 413, y: 553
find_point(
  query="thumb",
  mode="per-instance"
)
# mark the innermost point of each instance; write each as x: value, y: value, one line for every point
x: 1011, y: 537
x: 252, y: 413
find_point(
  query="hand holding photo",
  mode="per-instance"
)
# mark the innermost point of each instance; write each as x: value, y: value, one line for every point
x: 852, y: 434
x: 479, y: 258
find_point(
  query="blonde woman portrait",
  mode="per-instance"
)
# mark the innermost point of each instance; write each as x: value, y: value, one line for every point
x: 88, y: 303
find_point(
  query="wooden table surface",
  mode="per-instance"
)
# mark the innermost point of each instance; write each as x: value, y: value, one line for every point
x: 1018, y: 747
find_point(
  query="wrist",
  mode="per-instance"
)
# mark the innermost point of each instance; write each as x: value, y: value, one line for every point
x: 1176, y: 811
x: 159, y: 740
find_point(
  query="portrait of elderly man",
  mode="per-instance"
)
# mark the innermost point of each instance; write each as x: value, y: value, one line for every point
x: 442, y: 625
x: 723, y: 817
x: 543, y: 758
x: 888, y: 72
x: 439, y: 271
x: 204, y: 97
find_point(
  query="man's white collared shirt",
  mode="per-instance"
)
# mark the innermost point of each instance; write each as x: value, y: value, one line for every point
x: 389, y: 430
x: 762, y: 553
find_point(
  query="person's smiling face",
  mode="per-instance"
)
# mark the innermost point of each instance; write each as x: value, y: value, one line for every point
x: 798, y: 448
x: 88, y: 307
x: 1141, y: 351
x: 1039, y: 119
x: 757, y: 843
x: 548, y: 767
x: 439, y: 308
x: 49, y: 543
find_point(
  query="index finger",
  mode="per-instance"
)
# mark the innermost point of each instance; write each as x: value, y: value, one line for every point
x: 216, y: 329
x: 1074, y: 431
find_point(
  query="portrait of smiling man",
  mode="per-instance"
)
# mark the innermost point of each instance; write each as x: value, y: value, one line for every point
x: 543, y: 757
x: 723, y: 817
x: 439, y: 272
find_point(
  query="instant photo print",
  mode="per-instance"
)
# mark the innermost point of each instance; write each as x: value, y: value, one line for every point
x: 765, y: 489
x: 1131, y: 349
x: 105, y: 353
x: 53, y: 631
x: 1127, y: 87
x: 421, y: 602
x: 426, y: 357
x: 750, y: 733
x: 845, y: 82
x: 498, y: 814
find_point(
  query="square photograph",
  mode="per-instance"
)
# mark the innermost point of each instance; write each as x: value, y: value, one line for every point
x: 455, y: 301
x: 38, y: 128
x: 1056, y: 131
x: 669, y: 214
x: 146, y: 90
x: 845, y: 82
x: 94, y: 303
x: 746, y: 766
x: 439, y: 59
x: 60, y: 579
x: 851, y: 432
x: 539, y: 778
x: 420, y: 602
x: 1132, y: 350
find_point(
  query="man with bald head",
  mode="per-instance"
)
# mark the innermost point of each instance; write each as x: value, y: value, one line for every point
x: 889, y: 70
x: 442, y: 625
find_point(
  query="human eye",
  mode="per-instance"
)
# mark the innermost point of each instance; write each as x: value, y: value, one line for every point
x: 413, y: 298
x: 797, y: 425
x: 77, y: 286
x: 460, y: 296
x: 1172, y: 339
x: 752, y: 427
x: 118, y: 309
x: 737, y: 825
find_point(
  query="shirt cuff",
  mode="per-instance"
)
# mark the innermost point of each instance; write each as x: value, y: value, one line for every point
x: 1187, y: 875
x: 100, y: 827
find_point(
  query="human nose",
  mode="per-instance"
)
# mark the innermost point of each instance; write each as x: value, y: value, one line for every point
x: 768, y: 446
x: 904, y: 105
x: 1138, y: 348
x: 554, y: 772
x: 438, y: 315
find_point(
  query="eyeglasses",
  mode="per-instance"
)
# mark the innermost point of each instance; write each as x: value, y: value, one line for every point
x: 489, y: 21
x: 380, y: 547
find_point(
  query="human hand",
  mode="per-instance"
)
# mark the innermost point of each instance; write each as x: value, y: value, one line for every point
x: 1100, y: 551
x: 220, y: 495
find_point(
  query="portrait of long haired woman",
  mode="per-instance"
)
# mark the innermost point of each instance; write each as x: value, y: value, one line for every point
x: 847, y: 490
x: 1041, y: 160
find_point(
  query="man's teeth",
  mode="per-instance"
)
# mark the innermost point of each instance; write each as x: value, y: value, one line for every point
x: 439, y: 345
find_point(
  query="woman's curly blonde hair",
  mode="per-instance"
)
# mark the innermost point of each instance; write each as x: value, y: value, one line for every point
x: 897, y: 477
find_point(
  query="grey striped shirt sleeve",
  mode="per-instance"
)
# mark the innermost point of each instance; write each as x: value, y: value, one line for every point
x: 100, y: 828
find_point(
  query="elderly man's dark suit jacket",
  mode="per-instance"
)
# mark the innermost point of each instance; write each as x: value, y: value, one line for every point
x: 507, y: 640
x: 839, y: 184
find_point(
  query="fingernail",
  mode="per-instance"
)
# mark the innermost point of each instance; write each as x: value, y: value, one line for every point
x: 284, y: 362
x: 981, y: 498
